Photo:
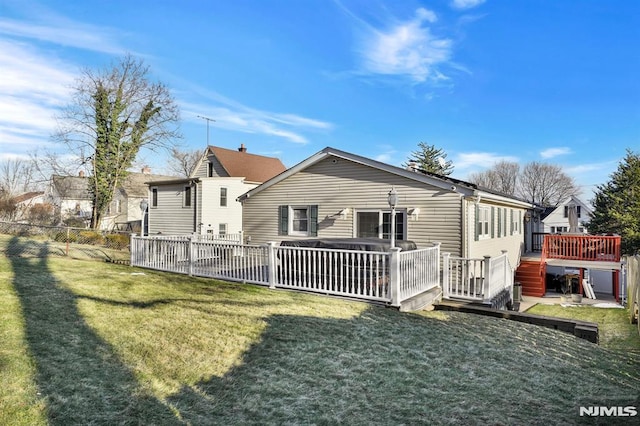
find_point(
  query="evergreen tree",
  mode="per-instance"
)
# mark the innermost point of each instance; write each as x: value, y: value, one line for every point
x: 430, y: 159
x: 617, y: 204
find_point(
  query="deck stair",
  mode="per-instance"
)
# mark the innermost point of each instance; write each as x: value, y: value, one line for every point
x: 530, y: 274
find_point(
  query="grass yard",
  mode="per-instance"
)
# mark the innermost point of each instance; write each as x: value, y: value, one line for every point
x: 85, y: 342
x: 615, y: 330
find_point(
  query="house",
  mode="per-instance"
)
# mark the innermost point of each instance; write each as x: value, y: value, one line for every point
x: 24, y: 203
x: 334, y: 193
x: 206, y: 201
x: 124, y: 212
x: 71, y: 198
x: 555, y: 220
x: 73, y: 202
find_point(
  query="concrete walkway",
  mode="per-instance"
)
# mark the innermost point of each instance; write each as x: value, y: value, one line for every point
x: 602, y: 300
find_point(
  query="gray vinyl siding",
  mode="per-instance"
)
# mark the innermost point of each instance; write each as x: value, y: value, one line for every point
x: 513, y: 242
x: 218, y: 170
x: 170, y: 217
x: 335, y: 184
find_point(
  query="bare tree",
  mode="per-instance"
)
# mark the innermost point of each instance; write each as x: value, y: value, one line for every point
x: 545, y: 184
x: 114, y: 113
x: 502, y: 177
x: 16, y: 176
x: 183, y: 162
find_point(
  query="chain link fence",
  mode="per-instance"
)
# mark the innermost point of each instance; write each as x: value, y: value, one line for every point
x: 78, y: 243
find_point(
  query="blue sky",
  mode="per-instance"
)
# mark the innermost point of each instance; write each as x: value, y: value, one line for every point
x: 555, y: 81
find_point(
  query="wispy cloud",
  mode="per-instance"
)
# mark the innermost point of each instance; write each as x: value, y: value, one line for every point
x: 406, y: 48
x: 35, y: 83
x: 479, y: 160
x: 555, y: 152
x: 232, y: 115
x: 32, y: 88
x: 55, y: 29
x: 466, y: 4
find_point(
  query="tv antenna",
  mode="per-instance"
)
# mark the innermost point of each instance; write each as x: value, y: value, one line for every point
x: 208, y: 120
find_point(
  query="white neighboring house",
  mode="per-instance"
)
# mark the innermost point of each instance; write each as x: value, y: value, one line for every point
x: 555, y: 220
x: 206, y: 201
x: 70, y: 197
x: 24, y: 203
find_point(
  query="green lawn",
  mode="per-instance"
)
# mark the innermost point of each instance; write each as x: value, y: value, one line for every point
x: 615, y: 330
x: 86, y: 342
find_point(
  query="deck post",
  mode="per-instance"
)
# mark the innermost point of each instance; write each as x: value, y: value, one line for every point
x: 486, y: 282
x: 271, y: 263
x: 133, y: 250
x: 190, y: 255
x: 445, y: 275
x: 394, y: 275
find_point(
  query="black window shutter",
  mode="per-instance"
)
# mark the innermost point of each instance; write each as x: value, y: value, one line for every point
x: 313, y: 221
x: 283, y: 220
x: 477, y: 233
x: 491, y: 222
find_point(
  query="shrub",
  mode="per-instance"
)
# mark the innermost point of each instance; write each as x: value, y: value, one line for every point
x: 61, y: 237
x: 117, y: 241
x: 90, y: 237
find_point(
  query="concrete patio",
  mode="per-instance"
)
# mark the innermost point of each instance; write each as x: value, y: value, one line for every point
x: 601, y: 300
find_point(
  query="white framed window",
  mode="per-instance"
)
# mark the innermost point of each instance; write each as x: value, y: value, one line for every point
x: 154, y: 197
x: 223, y: 197
x: 377, y: 224
x: 186, y: 199
x: 298, y: 220
x: 483, y: 222
x: 516, y: 219
x: 222, y: 229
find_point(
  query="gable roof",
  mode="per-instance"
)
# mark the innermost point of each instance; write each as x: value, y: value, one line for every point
x: 576, y: 200
x: 240, y: 163
x: 27, y: 196
x: 77, y: 187
x: 443, y: 182
x: 135, y: 184
x: 71, y: 187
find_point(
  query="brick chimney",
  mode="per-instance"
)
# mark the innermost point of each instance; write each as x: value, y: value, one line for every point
x: 81, y: 173
x: 242, y: 148
x: 146, y: 170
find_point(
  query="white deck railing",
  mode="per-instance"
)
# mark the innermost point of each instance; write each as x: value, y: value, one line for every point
x: 419, y: 271
x: 352, y: 273
x: 389, y: 277
x: 476, y: 279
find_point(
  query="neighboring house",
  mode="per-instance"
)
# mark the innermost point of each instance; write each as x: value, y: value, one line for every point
x: 338, y: 194
x: 555, y: 220
x: 70, y: 197
x: 206, y: 201
x: 24, y: 203
x: 124, y: 213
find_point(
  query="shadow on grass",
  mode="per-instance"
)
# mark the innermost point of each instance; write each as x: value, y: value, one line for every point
x: 78, y: 373
x: 388, y: 368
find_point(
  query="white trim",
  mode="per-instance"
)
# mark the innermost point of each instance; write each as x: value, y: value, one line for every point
x: 290, y: 219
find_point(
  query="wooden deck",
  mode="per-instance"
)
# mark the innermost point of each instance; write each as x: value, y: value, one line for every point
x: 576, y: 251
